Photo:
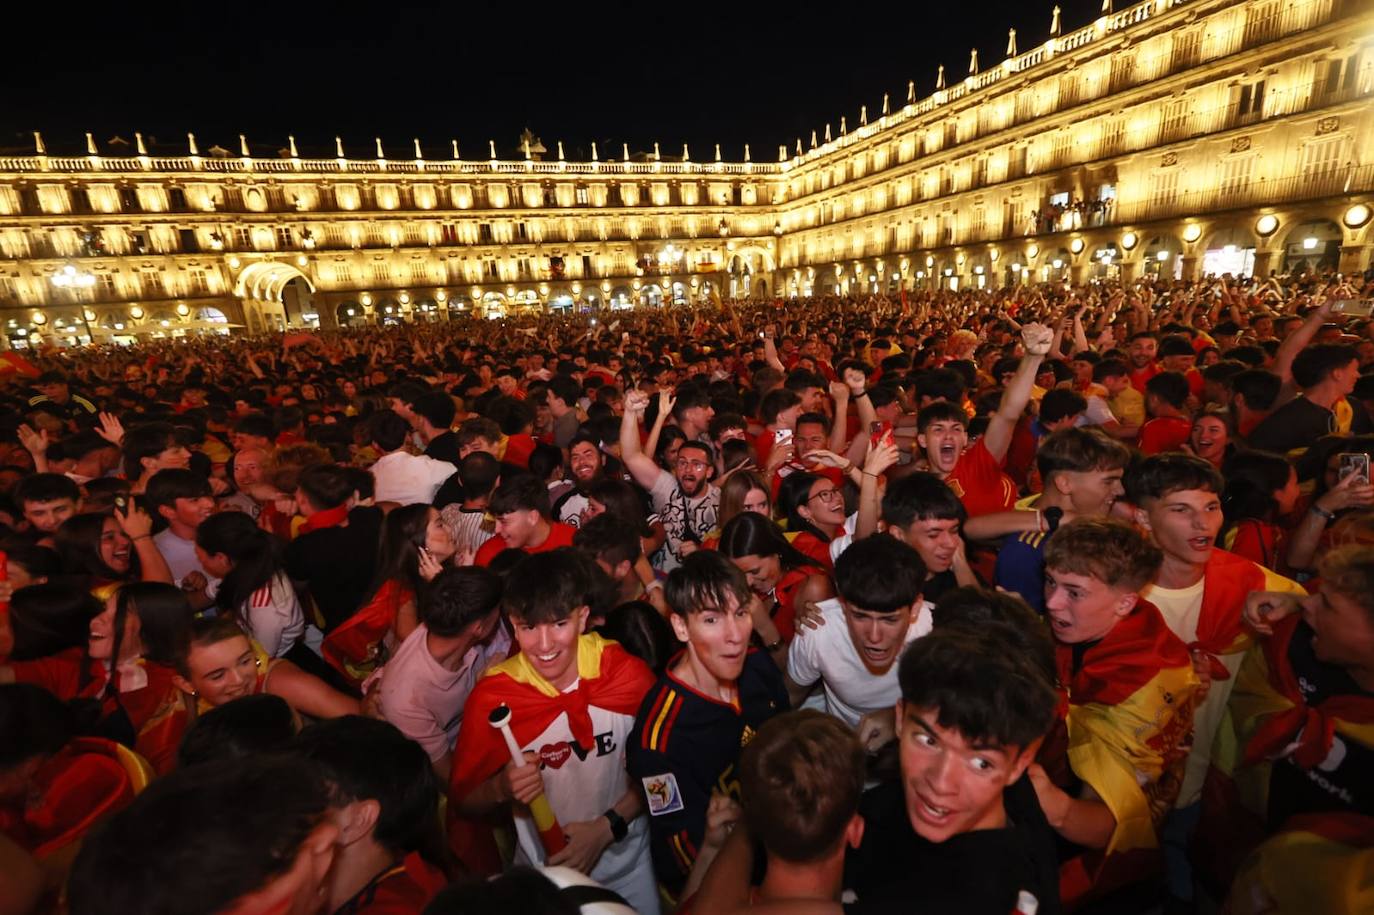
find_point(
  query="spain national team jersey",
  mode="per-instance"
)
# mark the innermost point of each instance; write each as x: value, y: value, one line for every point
x: 979, y: 482
x: 685, y: 746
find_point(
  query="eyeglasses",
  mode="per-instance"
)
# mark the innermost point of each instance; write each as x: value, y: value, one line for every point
x: 692, y: 465
x: 827, y: 495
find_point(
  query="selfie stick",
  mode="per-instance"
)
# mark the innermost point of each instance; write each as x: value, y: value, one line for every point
x: 550, y: 833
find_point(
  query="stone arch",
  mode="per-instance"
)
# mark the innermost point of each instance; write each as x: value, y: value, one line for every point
x: 263, y: 281
x: 1314, y: 244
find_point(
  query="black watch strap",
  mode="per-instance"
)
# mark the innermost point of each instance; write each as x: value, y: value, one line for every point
x: 619, y: 828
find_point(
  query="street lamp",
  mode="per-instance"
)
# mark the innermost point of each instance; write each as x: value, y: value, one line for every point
x: 76, y: 280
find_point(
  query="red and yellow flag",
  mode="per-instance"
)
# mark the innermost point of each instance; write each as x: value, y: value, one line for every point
x: 1129, y: 722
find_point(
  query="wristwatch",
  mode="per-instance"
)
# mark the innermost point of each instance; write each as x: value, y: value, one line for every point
x: 619, y: 828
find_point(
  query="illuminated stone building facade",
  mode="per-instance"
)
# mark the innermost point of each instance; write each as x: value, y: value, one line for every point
x: 1175, y: 136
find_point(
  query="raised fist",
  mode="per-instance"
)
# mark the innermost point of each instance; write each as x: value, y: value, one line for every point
x: 1037, y: 339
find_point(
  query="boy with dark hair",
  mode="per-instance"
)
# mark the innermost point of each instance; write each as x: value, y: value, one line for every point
x: 151, y: 447
x: 465, y: 498
x: 925, y: 514
x: 236, y: 836
x: 971, y: 717
x: 692, y: 412
x: 1081, y: 470
x: 1253, y: 393
x: 253, y: 430
x: 571, y: 696
x: 854, y: 653
x: 402, y: 477
x: 705, y: 707
x: 434, y: 414
x: 1131, y: 693
x: 183, y: 499
x: 334, y: 553
x: 1326, y: 373
x: 46, y: 500
x: 563, y: 398
x: 520, y: 506
x: 1200, y: 591
x: 1166, y: 396
x: 426, y: 682
x: 616, y: 548
x: 384, y: 798
x: 974, y: 472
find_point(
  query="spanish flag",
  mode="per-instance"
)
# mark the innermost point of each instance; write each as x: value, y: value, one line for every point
x: 609, y: 678
x: 1228, y: 580
x: 1316, y: 863
x: 1130, y: 717
x: 356, y: 646
x: 1267, y: 717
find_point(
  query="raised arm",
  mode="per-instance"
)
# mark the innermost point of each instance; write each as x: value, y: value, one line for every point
x: 1037, y: 339
x: 1296, y: 343
x: 640, y: 465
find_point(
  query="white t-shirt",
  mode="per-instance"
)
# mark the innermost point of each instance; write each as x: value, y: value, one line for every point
x: 583, y: 789
x: 409, y: 478
x: 843, y: 537
x: 180, y: 555
x: 828, y: 654
x: 423, y: 698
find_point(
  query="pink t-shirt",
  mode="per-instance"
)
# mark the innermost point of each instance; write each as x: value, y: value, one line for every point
x: 423, y: 698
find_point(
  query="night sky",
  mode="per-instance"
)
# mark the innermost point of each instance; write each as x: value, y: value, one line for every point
x: 728, y: 73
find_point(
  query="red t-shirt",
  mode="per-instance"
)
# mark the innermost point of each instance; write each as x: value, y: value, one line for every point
x: 1164, y: 433
x: 560, y: 535
x: 1139, y: 378
x: 403, y: 890
x: 979, y: 482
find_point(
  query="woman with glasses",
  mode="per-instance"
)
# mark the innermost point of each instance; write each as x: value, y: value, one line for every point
x: 779, y: 575
x: 813, y: 507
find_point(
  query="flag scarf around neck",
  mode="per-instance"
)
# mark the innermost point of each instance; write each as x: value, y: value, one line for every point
x: 609, y: 678
x: 1130, y: 716
x: 1228, y: 579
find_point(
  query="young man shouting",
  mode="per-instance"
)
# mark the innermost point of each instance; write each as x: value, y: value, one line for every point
x: 854, y: 652
x: 1131, y: 691
x: 572, y: 697
x: 707, y: 706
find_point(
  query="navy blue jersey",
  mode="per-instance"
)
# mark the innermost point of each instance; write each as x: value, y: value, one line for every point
x: 685, y: 746
x: 1021, y: 568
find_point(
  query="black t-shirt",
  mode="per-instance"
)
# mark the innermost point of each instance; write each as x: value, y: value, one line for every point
x: 937, y: 584
x: 896, y: 870
x: 444, y: 447
x: 1299, y: 423
x: 1344, y: 781
x: 338, y: 563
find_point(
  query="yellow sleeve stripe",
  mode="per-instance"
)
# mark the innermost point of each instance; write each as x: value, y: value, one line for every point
x: 668, y: 706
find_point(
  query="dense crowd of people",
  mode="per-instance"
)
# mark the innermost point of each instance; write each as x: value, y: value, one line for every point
x: 1034, y: 600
